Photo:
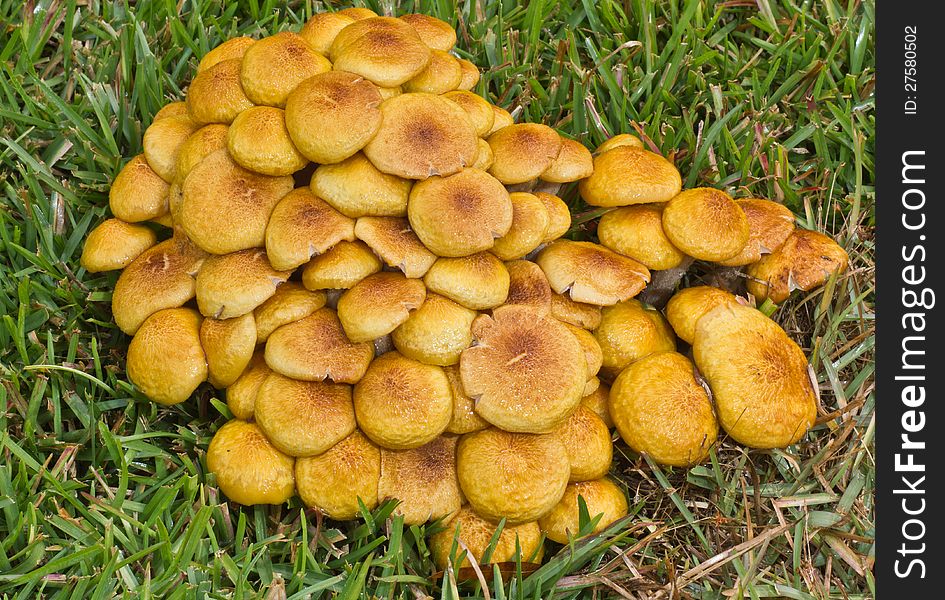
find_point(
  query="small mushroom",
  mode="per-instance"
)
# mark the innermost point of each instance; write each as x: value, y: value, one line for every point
x: 301, y: 226
x: 170, y: 109
x: 591, y: 273
x: 528, y: 286
x: 592, y: 352
x: 248, y: 468
x: 165, y: 359
x: 573, y: 162
x: 423, y: 479
x: 442, y: 74
x: 138, y: 193
x: 566, y: 310
x: 241, y: 394
x: 230, y: 49
x: 234, y: 284
x: 485, y: 157
x: 477, y: 108
x: 259, y: 141
x: 357, y: 189
x: 501, y: 119
x: 378, y: 304
x: 470, y: 75
x: 630, y: 175
x: 522, y: 542
x: 464, y: 419
x: 637, y: 231
x: 201, y: 144
x: 436, y: 333
x: 357, y: 13
x: 806, y: 260
x: 321, y: 30
x: 229, y: 346
x: 598, y: 401
x: 115, y: 244
x: 629, y: 331
x: 523, y: 151
x: 386, y: 51
x: 603, y: 499
x: 398, y: 246
x: 338, y: 481
x: 276, y: 65
x: 342, y: 266
x: 559, y: 216
x: 435, y: 33
x: 289, y: 304
x: 769, y: 226
x: 622, y: 139
x: 587, y: 440
x: 687, y: 306
x: 529, y: 227
x: 706, y: 224
x: 216, y: 94
x: 162, y: 143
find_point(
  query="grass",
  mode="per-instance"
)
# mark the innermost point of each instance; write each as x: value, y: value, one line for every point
x: 105, y: 494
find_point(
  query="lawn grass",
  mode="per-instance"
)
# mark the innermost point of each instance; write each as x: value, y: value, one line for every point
x: 104, y: 494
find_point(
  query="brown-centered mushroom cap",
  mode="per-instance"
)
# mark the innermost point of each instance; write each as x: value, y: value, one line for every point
x: 602, y: 497
x: 230, y: 49
x: 423, y: 480
x: 377, y: 304
x: 477, y: 108
x: 573, y: 162
x: 259, y: 141
x: 436, y: 333
x: 622, y: 139
x: 591, y: 273
x: 587, y: 440
x: 629, y: 175
x: 216, y: 94
x: 138, y: 192
x: 248, y: 468
x: 241, y: 394
x: 320, y: 31
x: 274, y: 66
x: 769, y: 226
x: 471, y: 75
x: 342, y: 266
x: 559, y: 216
x: 442, y: 74
x: 637, y: 231
x: 706, y: 224
x: 398, y: 246
x: 357, y: 189
x: 229, y: 345
x: 566, y: 310
x: 162, y: 142
x: 114, y: 244
x: 165, y: 359
x: 523, y: 151
x: 530, y: 221
x: 334, y: 482
x: 384, y: 50
x: 628, y: 331
x: 464, y: 419
x: 806, y: 260
x: 478, y: 282
x: 687, y: 306
x: 301, y: 226
x: 170, y: 109
x: 290, y: 303
x: 234, y: 284
x: 528, y: 286
x: 201, y: 144
x: 514, y: 541
x: 435, y: 33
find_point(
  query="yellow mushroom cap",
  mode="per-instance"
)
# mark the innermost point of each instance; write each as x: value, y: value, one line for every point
x: 470, y: 75
x: 523, y: 151
x: 566, y: 310
x: 170, y: 109
x: 687, y: 306
x: 422, y: 135
x: 769, y: 226
x: 478, y: 282
x: 378, y: 304
x: 637, y: 231
x: 442, y: 74
x: 587, y: 440
x: 138, y: 192
x: 290, y: 303
x: 274, y: 66
x: 598, y: 401
x: 398, y: 246
x: 423, y: 479
x: 526, y: 371
x: 661, y: 410
x: 216, y: 94
x: 461, y: 214
x: 162, y: 143
x: 357, y: 189
x: 248, y: 468
x: 234, y: 284
x: 591, y: 273
x: 530, y: 221
x: 357, y: 13
x: 402, y: 403
x: 384, y: 50
x: 342, y: 266
x: 477, y: 108
x: 758, y: 376
x: 573, y: 162
x: 114, y: 244
x: 528, y: 286
x: 230, y: 49
x: 436, y: 333
x: 518, y: 477
x: 201, y: 144
x: 806, y: 260
x: 241, y: 394
x: 334, y: 481
x: 464, y: 419
x: 165, y: 359
x: 333, y: 115
x: 706, y: 224
x: 514, y: 541
x: 229, y: 346
x: 315, y: 348
x: 485, y: 157
x: 592, y: 352
x: 591, y: 386
x: 629, y: 175
x: 435, y: 33
x: 225, y: 207
x: 628, y: 331
x: 559, y: 216
x: 302, y: 225
x: 622, y: 139
x: 321, y: 30
x: 501, y: 119
x: 259, y: 141
x: 602, y: 497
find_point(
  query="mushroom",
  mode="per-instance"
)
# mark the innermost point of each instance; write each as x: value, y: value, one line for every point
x: 687, y: 306
x: 321, y: 30
x: 470, y: 75
x: 384, y: 50
x: 566, y: 310
x: 591, y: 273
x: 436, y: 333
x: 529, y: 227
x: 378, y: 304
x: 342, y: 266
x: 341, y: 479
x: 587, y: 440
x: 398, y: 246
x: 622, y: 139
x: 464, y: 419
x: 769, y: 225
x: 290, y: 303
x: 630, y: 175
x: 477, y: 108
x: 423, y: 479
x: 241, y: 394
x: 806, y: 260
x: 629, y: 331
x: 216, y: 94
x: 637, y: 231
x: 523, y: 151
x: 162, y: 143
x: 357, y: 13
x: 138, y: 193
x: 230, y: 49
x: 165, y: 360
x: 501, y: 119
x: 276, y: 65
x: 115, y: 244
x: 170, y: 109
x: 573, y: 162
x: 598, y: 401
x: 528, y: 286
x: 259, y: 141
x: 247, y: 467
x: 302, y: 225
x: 229, y: 346
x: 592, y: 352
x: 706, y: 224
x: 559, y: 216
x: 234, y: 284
x: 435, y: 33
x: 485, y: 157
x: 515, y: 542
x: 604, y: 500
x: 357, y: 189
x: 201, y: 144
x: 442, y: 74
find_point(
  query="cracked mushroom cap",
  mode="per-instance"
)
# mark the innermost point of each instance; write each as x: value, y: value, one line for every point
x: 248, y: 468
x: 687, y: 306
x: 423, y: 135
x: 229, y: 346
x: 759, y: 377
x: 301, y: 226
x: 170, y: 109
x: 201, y: 144
x: 435, y: 33
x: 231, y: 285
x: 526, y: 371
x: 478, y: 282
x: 592, y: 352
x: 587, y: 440
x: 398, y: 246
x: 602, y: 497
x: 566, y: 310
x: 591, y: 273
x: 423, y: 479
x: 530, y: 221
x: 461, y: 214
x: 165, y: 359
x: 115, y: 244
x: 471, y: 74
x: 138, y: 193
x: 518, y: 477
x: 559, y: 216
x: 241, y: 394
x: 436, y: 333
x: 477, y: 108
x: 629, y: 331
x: 225, y: 207
x: 528, y: 286
x: 442, y: 74
x: 342, y: 266
x: 334, y: 482
x: 637, y: 231
x: 230, y: 49
x: 523, y: 151
x: 706, y: 224
x: 598, y: 402
x: 332, y: 116
x: 622, y: 139
x: 806, y: 260
x: 769, y: 226
x: 259, y: 141
x: 378, y: 304
x: 162, y: 143
x: 384, y: 50
x: 464, y: 419
x: 316, y: 348
x: 573, y: 162
x: 523, y: 542
x: 357, y: 189
x: 402, y: 403
x: 276, y: 65
x: 216, y: 94
x: 661, y: 410
x: 290, y: 303
x: 630, y: 175
x: 485, y: 157
x: 321, y: 30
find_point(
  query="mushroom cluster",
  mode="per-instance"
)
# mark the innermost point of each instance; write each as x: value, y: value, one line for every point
x: 368, y: 257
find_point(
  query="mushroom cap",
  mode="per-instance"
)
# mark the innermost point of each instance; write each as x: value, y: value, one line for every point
x: 602, y: 497
x: 464, y: 419
x: 276, y: 65
x: 423, y: 479
x: 378, y: 304
x: 357, y: 13
x: 526, y: 372
x: 587, y: 440
x: 470, y: 74
x: 398, y: 246
x: 321, y: 30
x: 661, y: 410
x: 402, y: 403
x: 229, y: 346
x: 234, y: 284
x: 226, y: 208
x: 201, y: 144
x: 573, y: 162
x: 528, y: 286
x: 422, y: 135
x: 114, y: 244
x: 485, y: 157
x: 706, y: 224
x: 477, y: 108
x: 598, y: 401
x: 518, y: 477
x: 591, y: 386
x: 390, y: 92
x: 442, y: 74
x: 241, y: 394
x: 566, y: 310
x: 138, y: 193
x: 165, y: 359
x: 230, y: 49
x: 592, y: 352
x: 259, y: 141
x: 290, y: 303
x: 622, y: 139
x: 357, y: 189
x: 162, y: 142
x: 769, y: 226
x: 304, y: 418
x: 460, y: 214
x: 501, y: 119
x: 247, y: 467
x: 758, y: 376
x: 591, y: 273
x: 478, y: 282
x: 342, y: 266
x: 628, y: 331
x: 161, y: 277
x: 333, y: 115
x: 559, y: 216
x: 637, y: 231
x: 523, y: 151
x: 687, y: 306
x: 316, y: 348
x: 334, y: 482
x: 216, y: 94
x: 514, y: 541
x: 530, y: 221
x: 435, y: 33
x: 383, y: 50
x: 806, y: 260
x: 302, y: 225
x: 170, y: 109
x: 629, y: 175
x: 436, y: 333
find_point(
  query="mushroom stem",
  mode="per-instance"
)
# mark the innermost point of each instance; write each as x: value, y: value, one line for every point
x: 663, y: 284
